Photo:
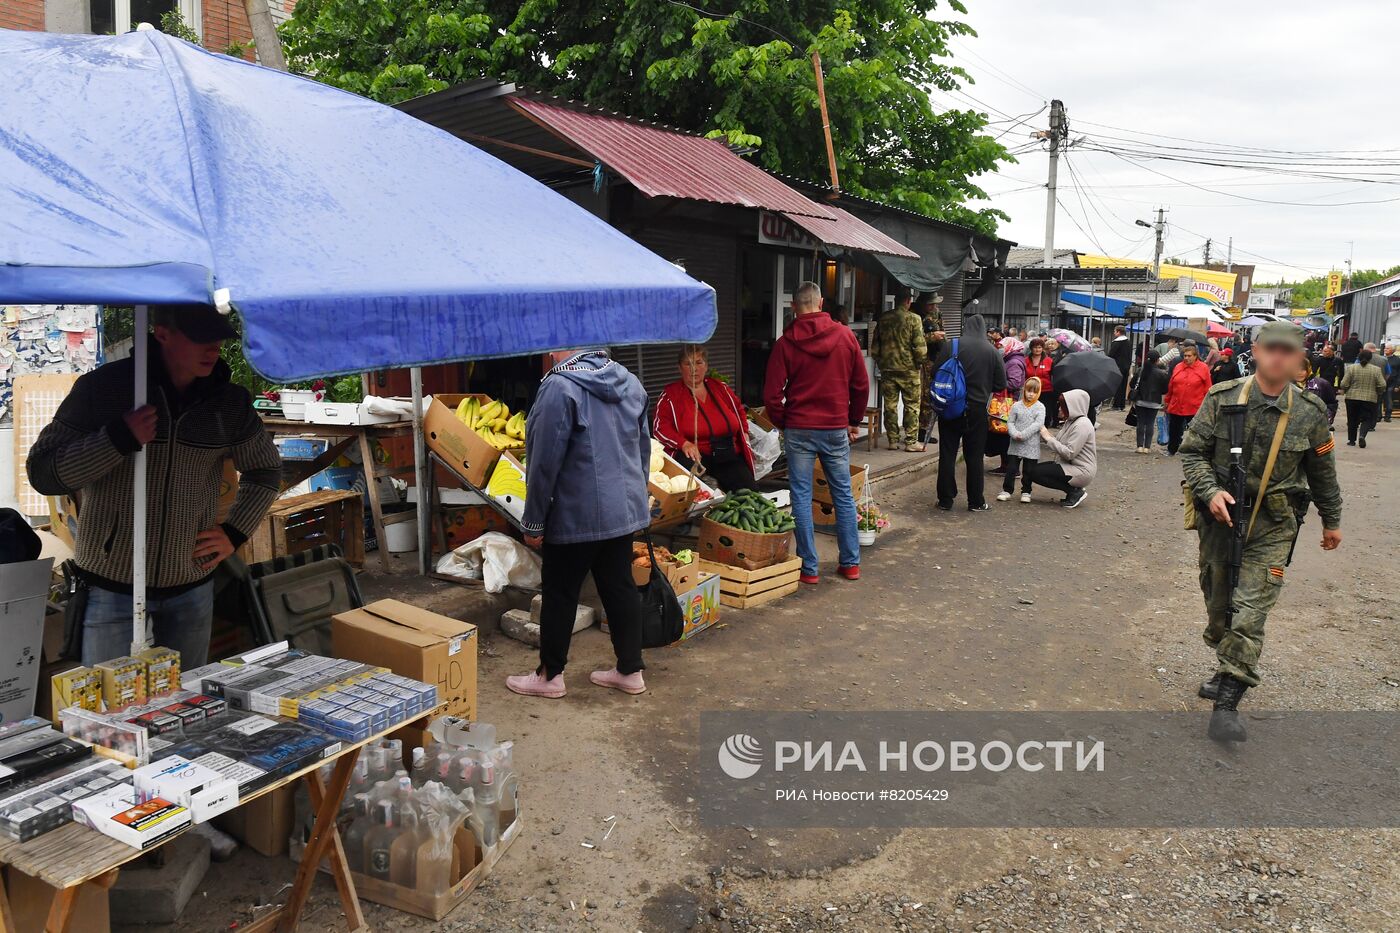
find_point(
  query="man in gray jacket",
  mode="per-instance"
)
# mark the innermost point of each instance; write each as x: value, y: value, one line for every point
x: 587, y: 449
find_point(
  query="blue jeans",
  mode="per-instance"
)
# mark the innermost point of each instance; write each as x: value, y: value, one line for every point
x: 803, y: 447
x: 181, y: 622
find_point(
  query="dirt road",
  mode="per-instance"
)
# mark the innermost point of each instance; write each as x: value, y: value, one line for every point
x: 940, y: 621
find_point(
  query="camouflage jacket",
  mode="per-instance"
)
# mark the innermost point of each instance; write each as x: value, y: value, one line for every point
x: 1304, y: 471
x: 899, y: 341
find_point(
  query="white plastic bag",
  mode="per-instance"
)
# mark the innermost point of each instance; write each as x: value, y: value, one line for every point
x: 767, y: 448
x: 497, y: 560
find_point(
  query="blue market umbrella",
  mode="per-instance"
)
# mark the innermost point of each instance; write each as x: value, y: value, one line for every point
x: 140, y: 169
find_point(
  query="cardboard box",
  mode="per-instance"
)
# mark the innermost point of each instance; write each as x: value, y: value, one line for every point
x: 414, y: 643
x: 461, y: 524
x: 670, y: 507
x: 821, y: 489
x: 301, y: 448
x: 115, y: 813
x: 24, y: 591
x: 700, y: 603
x: 507, y: 485
x: 263, y: 824
x: 465, y: 453
x: 203, y: 791
x: 30, y: 900
x: 76, y: 686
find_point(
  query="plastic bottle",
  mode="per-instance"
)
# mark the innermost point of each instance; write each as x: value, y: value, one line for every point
x: 354, y: 837
x: 487, y: 807
x: 403, y: 852
x: 379, y: 842
x: 445, y: 774
x: 420, y: 767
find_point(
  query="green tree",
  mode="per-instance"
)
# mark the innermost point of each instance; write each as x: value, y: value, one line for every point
x: 741, y: 72
x: 1312, y: 292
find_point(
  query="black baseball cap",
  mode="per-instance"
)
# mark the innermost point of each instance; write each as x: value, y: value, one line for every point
x: 200, y: 323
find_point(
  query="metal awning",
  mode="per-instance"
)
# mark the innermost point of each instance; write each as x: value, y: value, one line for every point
x: 665, y: 163
x: 850, y: 232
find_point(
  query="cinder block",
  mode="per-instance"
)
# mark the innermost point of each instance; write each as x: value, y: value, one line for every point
x: 583, y: 616
x: 145, y: 894
x: 517, y: 624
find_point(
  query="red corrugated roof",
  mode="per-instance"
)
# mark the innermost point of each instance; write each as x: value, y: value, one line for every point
x: 850, y: 232
x: 665, y: 163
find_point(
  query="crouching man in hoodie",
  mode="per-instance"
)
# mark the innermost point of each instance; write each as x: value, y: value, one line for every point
x: 816, y: 390
x: 1075, y: 460
x: 586, y: 455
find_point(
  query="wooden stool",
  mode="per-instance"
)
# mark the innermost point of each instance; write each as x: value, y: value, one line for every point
x: 872, y: 427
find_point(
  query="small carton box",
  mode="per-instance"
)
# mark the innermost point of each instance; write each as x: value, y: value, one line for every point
x: 162, y: 670
x: 346, y: 413
x: 116, y: 813
x: 78, y: 686
x: 670, y: 506
x: 24, y: 590
x: 458, y: 445
x: 507, y: 485
x: 123, y: 681
x: 203, y: 791
x: 821, y: 488
x: 700, y: 603
x: 414, y: 643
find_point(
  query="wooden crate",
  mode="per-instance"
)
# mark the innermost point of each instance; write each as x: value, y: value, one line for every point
x: 299, y: 523
x: 744, y: 589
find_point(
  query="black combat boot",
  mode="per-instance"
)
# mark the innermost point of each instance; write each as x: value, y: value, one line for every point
x: 1225, y: 722
x: 1209, y: 688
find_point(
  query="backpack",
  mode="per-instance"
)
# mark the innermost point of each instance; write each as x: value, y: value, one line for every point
x: 948, y: 391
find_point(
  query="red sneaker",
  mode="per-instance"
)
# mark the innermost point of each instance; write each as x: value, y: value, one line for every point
x: 811, y: 578
x: 850, y: 573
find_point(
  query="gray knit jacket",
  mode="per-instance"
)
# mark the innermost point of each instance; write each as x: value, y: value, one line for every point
x: 86, y: 452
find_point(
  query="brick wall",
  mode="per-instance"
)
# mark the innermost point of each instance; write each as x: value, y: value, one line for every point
x: 22, y: 14
x: 225, y: 23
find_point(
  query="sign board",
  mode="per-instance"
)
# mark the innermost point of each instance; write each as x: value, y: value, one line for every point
x: 1334, y: 287
x: 777, y: 230
x: 1261, y: 301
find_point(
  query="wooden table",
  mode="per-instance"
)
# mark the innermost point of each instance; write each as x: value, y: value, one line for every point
x: 74, y: 855
x: 294, y: 471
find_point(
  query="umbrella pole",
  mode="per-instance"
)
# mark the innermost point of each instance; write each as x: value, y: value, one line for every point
x: 139, y: 346
x: 422, y: 475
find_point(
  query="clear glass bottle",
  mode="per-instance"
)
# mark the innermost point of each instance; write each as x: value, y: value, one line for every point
x: 354, y: 838
x: 379, y: 842
x: 403, y: 852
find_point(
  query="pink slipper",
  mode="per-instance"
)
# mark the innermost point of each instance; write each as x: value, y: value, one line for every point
x: 535, y: 684
x: 627, y: 683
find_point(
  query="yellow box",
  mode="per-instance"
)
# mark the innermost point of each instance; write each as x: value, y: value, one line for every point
x: 162, y: 670
x: 78, y: 686
x: 123, y: 681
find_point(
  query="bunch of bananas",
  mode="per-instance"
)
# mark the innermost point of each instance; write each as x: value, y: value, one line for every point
x: 493, y: 422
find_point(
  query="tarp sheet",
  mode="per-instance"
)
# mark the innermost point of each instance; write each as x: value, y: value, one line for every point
x: 941, y: 252
x: 1113, y: 307
x: 140, y: 168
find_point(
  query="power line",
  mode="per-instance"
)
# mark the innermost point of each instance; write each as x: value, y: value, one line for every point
x: 1229, y: 145
x: 1005, y: 78
x: 1243, y: 197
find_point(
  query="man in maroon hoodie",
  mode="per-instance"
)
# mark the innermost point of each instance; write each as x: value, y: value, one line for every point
x: 816, y: 391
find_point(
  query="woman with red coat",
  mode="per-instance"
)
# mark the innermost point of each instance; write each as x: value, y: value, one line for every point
x: 1190, y: 381
x: 701, y: 419
x: 1038, y: 364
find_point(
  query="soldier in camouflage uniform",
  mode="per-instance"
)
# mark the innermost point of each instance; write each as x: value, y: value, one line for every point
x: 900, y: 350
x: 1304, y: 471
x: 934, y: 336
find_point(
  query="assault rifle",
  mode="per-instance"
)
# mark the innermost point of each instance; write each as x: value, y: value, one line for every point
x: 1237, y: 487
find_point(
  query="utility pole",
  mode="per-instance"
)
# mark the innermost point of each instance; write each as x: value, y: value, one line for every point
x: 826, y: 123
x: 1351, y: 254
x: 265, y: 35
x: 1159, y: 227
x: 1230, y: 255
x: 1056, y: 137
x: 1205, y: 254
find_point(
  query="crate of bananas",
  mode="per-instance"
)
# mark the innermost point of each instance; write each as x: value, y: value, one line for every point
x: 493, y: 422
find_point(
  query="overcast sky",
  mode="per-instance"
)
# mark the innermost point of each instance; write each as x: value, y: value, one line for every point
x: 1273, y: 75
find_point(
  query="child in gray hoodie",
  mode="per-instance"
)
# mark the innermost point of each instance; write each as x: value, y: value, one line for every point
x: 1023, y: 431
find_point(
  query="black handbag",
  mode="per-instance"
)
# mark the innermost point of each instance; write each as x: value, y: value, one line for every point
x: 74, y: 610
x: 1130, y: 419
x: 663, y: 623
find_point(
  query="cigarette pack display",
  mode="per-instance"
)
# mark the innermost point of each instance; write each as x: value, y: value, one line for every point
x: 123, y: 681
x: 378, y: 715
x: 336, y: 719
x: 239, y: 693
x: 23, y: 726
x: 38, y: 807
x: 158, y: 722
x: 162, y: 670
x: 40, y: 752
x: 216, y: 683
x: 255, y: 750
x: 200, y: 789
x: 116, y: 813
x: 190, y: 716
x: 427, y: 693
x: 80, y: 686
x: 212, y: 706
x: 126, y: 737
x: 193, y: 679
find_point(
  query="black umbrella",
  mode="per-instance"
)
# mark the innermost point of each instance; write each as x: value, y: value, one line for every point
x: 1095, y: 373
x: 1181, y: 333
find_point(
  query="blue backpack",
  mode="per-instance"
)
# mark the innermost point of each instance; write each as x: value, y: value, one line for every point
x: 948, y: 392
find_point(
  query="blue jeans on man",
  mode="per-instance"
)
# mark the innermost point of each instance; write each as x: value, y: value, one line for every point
x: 804, y: 447
x: 181, y: 622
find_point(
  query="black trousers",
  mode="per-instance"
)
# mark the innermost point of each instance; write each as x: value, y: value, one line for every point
x: 1120, y: 395
x: 564, y: 569
x: 1051, y: 401
x: 1050, y: 475
x: 1017, y: 465
x: 1176, y: 430
x: 970, y: 433
x: 1361, y: 418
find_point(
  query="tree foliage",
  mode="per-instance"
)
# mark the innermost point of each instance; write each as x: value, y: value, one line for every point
x: 738, y: 69
x: 1312, y: 292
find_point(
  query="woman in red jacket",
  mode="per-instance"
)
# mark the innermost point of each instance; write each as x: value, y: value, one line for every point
x: 1039, y: 364
x: 1186, y: 391
x: 701, y: 419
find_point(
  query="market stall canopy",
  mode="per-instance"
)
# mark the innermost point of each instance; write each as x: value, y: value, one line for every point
x: 943, y: 248
x: 1105, y: 304
x: 662, y: 162
x: 848, y: 231
x: 1252, y: 320
x: 348, y: 236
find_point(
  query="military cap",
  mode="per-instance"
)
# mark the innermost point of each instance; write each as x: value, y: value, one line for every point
x: 1280, y: 333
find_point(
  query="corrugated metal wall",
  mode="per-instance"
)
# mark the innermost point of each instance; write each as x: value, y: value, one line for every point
x: 1370, y: 311
x: 951, y: 306
x: 713, y: 259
